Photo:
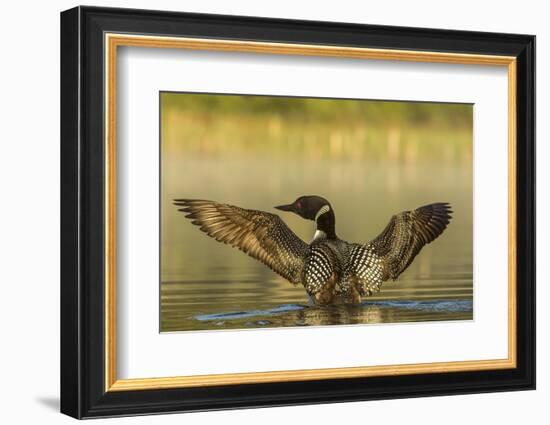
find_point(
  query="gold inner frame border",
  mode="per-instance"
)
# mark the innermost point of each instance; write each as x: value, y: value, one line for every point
x: 113, y: 40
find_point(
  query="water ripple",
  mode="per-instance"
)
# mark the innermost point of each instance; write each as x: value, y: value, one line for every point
x: 253, y: 313
x: 448, y: 306
x: 431, y: 305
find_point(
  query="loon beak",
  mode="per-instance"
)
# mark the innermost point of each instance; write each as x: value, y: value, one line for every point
x: 289, y: 207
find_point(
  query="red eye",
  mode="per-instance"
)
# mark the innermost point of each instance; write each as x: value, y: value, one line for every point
x: 299, y: 204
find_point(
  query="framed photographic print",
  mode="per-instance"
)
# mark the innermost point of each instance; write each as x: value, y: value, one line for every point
x: 261, y: 212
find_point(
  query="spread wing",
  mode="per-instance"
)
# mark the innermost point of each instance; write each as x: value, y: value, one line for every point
x: 406, y: 234
x: 261, y: 235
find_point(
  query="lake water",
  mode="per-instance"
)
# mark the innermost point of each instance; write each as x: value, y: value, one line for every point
x: 206, y: 285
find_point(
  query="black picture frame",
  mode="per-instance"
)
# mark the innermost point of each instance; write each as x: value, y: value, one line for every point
x: 83, y: 392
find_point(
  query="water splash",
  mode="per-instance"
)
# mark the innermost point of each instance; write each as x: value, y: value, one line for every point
x: 449, y: 306
x: 285, y: 308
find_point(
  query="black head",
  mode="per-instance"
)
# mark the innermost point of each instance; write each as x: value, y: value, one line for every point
x: 308, y: 207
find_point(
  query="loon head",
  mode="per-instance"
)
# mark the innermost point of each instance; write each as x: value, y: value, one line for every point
x: 315, y: 208
x: 308, y: 207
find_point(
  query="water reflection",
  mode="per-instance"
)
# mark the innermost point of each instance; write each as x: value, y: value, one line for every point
x: 251, y: 303
x: 293, y: 315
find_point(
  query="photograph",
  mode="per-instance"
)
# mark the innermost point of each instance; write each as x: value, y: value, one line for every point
x: 279, y: 211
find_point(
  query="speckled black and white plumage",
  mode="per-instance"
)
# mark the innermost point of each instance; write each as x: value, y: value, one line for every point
x: 407, y: 233
x: 330, y: 269
x: 367, y: 268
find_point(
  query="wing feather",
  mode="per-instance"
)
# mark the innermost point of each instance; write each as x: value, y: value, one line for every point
x: 407, y: 233
x: 261, y: 235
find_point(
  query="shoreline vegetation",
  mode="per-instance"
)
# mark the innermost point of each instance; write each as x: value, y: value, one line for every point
x: 211, y: 126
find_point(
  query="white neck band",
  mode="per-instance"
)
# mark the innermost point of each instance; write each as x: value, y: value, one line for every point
x: 324, y: 209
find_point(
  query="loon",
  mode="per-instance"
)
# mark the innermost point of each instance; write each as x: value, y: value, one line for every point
x: 330, y: 269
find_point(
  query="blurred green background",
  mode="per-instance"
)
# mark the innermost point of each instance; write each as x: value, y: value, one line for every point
x: 371, y: 159
x: 211, y: 125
